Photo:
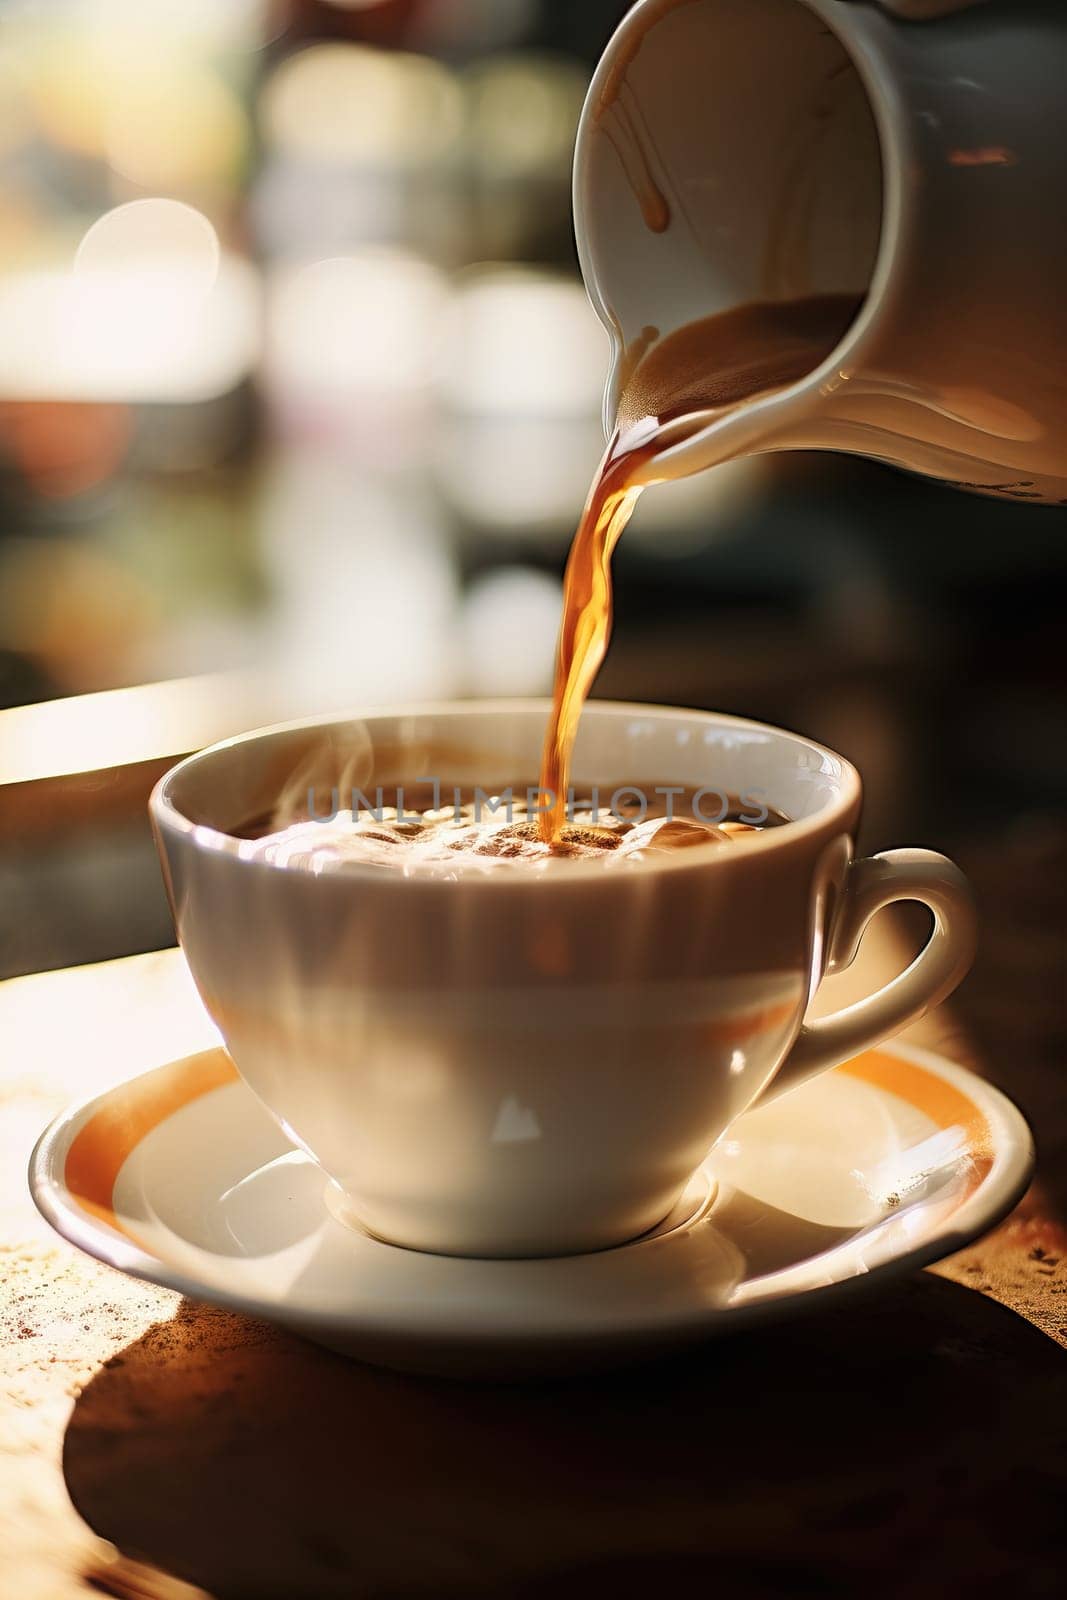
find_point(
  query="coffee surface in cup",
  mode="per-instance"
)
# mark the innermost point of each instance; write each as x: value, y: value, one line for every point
x: 407, y: 831
x: 714, y: 366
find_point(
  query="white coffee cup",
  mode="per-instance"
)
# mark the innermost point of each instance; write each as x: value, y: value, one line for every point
x: 527, y: 1062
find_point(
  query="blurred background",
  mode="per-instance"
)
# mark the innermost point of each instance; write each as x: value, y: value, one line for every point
x: 299, y: 400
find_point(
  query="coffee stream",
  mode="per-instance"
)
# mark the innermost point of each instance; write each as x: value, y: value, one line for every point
x: 706, y: 370
x: 719, y: 364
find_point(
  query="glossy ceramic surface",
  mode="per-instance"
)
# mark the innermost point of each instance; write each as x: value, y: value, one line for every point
x: 733, y: 150
x: 181, y: 1177
x: 509, y: 1062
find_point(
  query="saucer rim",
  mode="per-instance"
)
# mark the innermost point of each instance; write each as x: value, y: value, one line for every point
x: 997, y: 1193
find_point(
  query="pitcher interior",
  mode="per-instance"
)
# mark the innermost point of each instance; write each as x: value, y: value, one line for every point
x: 750, y: 123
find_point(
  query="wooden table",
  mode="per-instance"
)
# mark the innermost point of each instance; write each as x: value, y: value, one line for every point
x: 909, y: 1445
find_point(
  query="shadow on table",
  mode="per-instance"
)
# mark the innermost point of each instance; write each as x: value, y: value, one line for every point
x: 909, y: 1446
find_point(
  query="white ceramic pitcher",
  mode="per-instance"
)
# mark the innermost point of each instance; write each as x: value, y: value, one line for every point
x: 914, y: 152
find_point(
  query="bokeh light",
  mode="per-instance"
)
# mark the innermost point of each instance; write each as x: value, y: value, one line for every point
x: 522, y: 343
x: 510, y: 621
x: 76, y: 609
x: 61, y: 449
x: 365, y: 582
x: 151, y: 310
x: 514, y: 475
x: 353, y: 105
x: 164, y: 244
x: 94, y: 69
x: 184, y: 26
x: 364, y: 323
x: 520, y: 374
x: 15, y: 116
x: 174, y: 126
x: 523, y: 115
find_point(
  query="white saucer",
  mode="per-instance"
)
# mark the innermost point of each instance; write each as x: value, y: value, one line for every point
x: 884, y: 1165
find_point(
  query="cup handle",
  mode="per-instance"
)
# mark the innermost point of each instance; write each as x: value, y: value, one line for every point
x: 871, y: 886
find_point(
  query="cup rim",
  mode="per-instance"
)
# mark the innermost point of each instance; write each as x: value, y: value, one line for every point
x: 168, y: 817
